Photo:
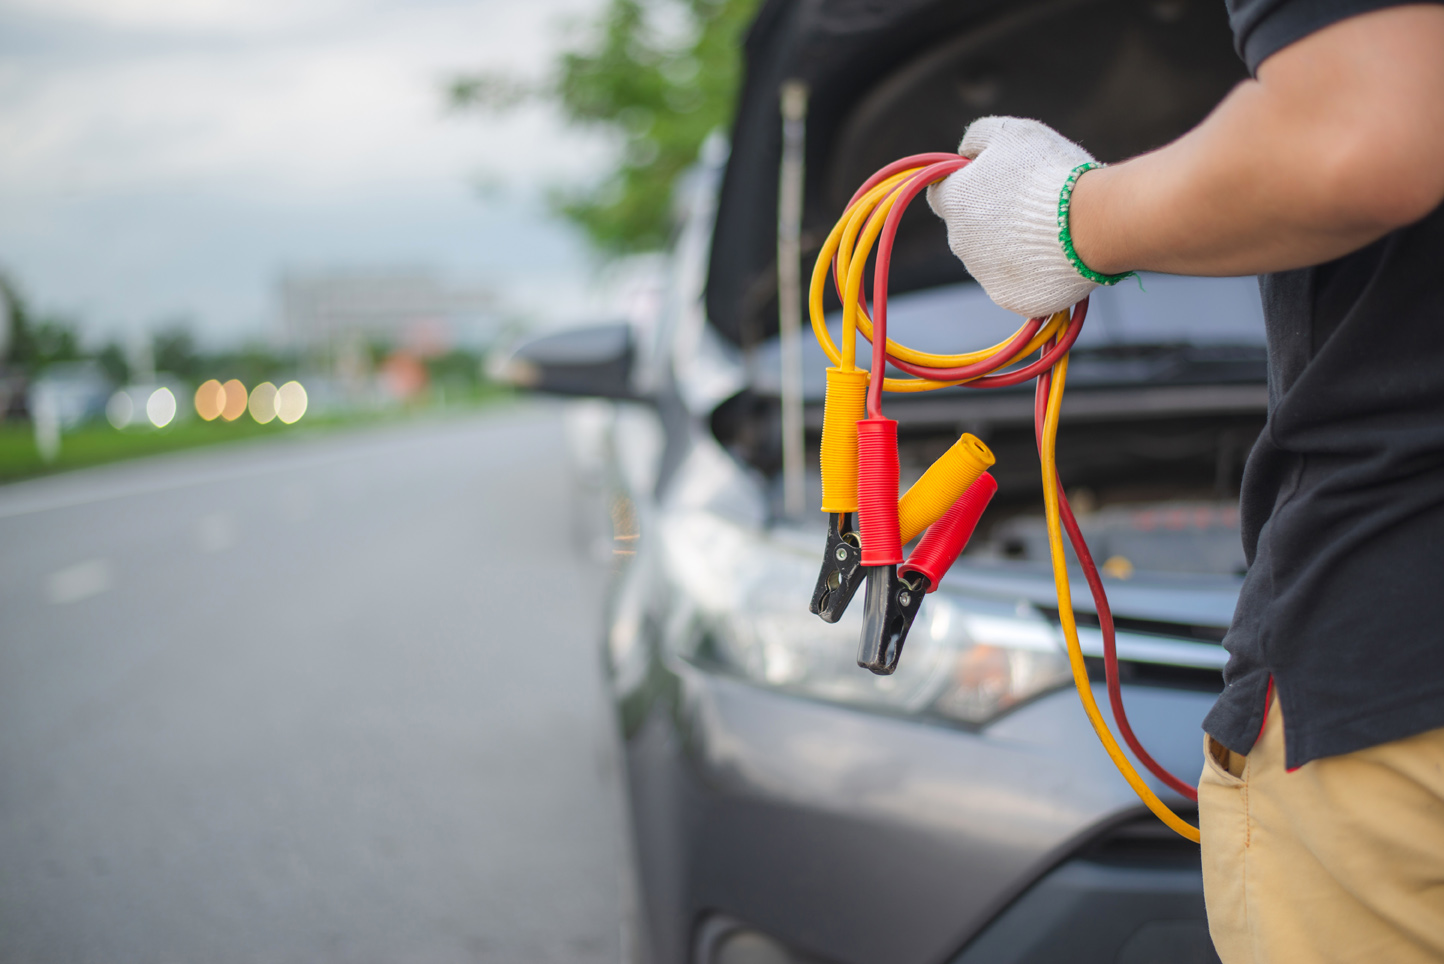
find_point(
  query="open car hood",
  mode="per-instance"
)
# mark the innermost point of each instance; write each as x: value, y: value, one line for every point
x: 895, y: 77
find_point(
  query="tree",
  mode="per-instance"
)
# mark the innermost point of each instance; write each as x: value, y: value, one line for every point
x: 34, y: 343
x: 174, y: 349
x: 114, y: 362
x: 18, y: 346
x: 661, y: 92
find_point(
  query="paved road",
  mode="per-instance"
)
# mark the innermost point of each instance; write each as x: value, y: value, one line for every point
x: 332, y: 700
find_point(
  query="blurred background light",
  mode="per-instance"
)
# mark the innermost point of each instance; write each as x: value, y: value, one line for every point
x: 235, y: 405
x: 263, y: 402
x: 160, y: 407
x: 290, y: 402
x: 210, y: 400
x: 120, y: 409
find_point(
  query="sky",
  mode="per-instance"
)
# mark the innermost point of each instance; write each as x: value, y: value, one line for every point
x: 169, y: 159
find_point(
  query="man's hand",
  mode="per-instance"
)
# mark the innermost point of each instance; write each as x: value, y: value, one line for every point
x: 1338, y: 142
x: 1002, y: 213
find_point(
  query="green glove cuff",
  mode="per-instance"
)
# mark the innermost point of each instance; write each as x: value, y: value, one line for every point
x: 1065, y: 237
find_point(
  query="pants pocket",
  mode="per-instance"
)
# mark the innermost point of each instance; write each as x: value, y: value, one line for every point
x: 1223, y: 824
x: 1221, y: 765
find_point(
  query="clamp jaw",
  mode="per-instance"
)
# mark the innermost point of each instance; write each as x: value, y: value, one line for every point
x: 891, y: 605
x: 894, y: 593
x: 842, y: 572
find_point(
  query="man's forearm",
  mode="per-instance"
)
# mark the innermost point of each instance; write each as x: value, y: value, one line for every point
x: 1339, y: 141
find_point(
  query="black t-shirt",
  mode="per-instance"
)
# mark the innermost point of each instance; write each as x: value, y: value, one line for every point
x: 1343, y: 495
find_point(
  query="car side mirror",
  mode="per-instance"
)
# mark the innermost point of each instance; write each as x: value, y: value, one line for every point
x: 594, y: 361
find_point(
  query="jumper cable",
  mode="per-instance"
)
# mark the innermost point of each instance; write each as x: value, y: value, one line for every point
x: 860, y: 460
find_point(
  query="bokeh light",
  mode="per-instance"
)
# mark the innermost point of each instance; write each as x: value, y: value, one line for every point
x: 120, y: 409
x: 210, y: 400
x: 235, y: 405
x: 160, y: 407
x: 290, y: 402
x: 263, y: 402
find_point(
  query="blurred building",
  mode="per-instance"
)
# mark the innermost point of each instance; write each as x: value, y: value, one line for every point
x: 335, y: 313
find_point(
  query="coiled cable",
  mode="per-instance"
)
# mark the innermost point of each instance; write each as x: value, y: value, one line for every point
x: 870, y: 220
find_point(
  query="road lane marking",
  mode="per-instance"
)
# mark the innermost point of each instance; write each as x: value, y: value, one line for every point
x: 77, y: 582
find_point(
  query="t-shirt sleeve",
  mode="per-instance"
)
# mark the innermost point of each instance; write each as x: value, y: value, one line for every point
x: 1264, y: 27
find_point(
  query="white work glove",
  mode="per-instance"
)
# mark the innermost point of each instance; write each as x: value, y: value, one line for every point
x: 1006, y: 213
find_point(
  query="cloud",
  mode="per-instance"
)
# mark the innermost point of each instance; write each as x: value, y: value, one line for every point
x: 204, y: 146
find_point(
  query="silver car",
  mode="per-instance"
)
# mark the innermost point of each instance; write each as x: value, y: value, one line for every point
x: 785, y: 804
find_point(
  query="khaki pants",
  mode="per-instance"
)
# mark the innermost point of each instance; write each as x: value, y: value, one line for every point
x: 1341, y: 860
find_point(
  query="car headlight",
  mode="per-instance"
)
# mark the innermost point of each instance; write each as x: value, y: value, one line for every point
x: 967, y: 658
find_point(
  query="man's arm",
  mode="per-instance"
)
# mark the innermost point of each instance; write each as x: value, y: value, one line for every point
x: 1339, y: 141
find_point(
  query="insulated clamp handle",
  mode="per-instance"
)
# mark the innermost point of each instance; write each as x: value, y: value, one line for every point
x: 945, y: 539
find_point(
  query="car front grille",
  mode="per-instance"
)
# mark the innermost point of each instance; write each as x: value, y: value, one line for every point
x: 1155, y: 652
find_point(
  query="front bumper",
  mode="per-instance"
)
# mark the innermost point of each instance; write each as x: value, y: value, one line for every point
x: 1099, y: 911
x: 854, y: 837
